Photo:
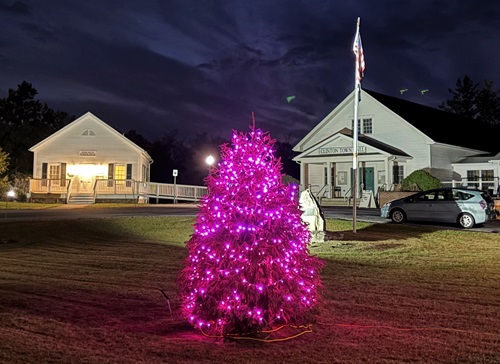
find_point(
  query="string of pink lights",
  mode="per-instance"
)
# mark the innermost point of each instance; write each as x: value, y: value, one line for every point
x: 248, y: 266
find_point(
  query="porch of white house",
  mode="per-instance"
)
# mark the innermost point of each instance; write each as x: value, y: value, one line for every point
x: 72, y: 191
x: 327, y: 195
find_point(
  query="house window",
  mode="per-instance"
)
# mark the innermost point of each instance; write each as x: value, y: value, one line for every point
x: 88, y: 132
x: 359, y: 126
x: 55, y: 173
x: 488, y: 180
x: 481, y: 179
x: 397, y: 174
x: 120, y: 171
x: 473, y: 178
x: 367, y: 126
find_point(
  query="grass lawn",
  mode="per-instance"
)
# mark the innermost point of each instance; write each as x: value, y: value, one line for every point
x: 14, y: 205
x: 88, y: 291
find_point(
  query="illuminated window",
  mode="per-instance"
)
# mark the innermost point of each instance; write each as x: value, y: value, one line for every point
x: 55, y: 173
x: 120, y: 176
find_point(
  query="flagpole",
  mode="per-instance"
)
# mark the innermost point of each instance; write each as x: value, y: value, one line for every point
x: 357, y: 87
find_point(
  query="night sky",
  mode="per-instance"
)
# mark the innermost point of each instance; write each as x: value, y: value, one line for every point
x: 204, y: 66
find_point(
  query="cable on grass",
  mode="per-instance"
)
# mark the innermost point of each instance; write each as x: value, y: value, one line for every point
x: 305, y: 329
x: 168, y: 300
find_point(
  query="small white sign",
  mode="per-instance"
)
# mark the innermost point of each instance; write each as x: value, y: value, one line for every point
x: 87, y: 153
x: 367, y: 199
x: 175, y: 173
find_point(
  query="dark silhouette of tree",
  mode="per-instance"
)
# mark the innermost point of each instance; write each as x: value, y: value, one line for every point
x: 488, y: 104
x: 25, y: 121
x: 474, y: 100
x: 463, y: 101
x: 285, y: 152
x: 201, y: 146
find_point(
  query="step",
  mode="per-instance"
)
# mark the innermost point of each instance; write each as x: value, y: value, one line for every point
x: 335, y: 202
x: 81, y: 199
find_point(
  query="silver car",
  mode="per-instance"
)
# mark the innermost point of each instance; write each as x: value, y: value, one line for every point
x: 462, y: 206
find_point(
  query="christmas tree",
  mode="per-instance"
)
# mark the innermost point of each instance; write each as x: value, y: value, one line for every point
x: 248, y: 267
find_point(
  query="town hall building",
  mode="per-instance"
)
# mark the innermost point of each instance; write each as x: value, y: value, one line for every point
x: 395, y: 138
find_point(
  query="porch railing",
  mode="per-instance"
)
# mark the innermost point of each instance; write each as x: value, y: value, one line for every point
x: 43, y: 185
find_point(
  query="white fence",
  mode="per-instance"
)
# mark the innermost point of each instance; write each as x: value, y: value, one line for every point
x: 110, y: 187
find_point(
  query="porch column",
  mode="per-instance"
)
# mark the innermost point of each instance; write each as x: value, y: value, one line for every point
x: 388, y: 173
x: 304, y: 178
x: 329, y: 179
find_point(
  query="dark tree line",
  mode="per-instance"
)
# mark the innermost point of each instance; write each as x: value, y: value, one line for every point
x: 475, y: 100
x: 189, y: 157
x: 25, y: 121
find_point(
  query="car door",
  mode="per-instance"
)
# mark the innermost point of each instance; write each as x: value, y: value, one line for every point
x: 444, y: 208
x: 419, y: 208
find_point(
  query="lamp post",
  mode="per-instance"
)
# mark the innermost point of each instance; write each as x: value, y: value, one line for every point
x: 11, y: 194
x: 175, y: 173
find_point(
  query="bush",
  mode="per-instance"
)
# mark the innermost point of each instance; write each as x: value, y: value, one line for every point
x: 289, y: 180
x: 422, y: 179
x: 21, y: 184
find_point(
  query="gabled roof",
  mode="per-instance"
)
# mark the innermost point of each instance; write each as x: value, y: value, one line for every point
x: 443, y: 127
x: 96, y: 119
x: 375, y: 143
x: 372, y: 142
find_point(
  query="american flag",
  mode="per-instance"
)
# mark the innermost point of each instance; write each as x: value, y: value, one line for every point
x: 357, y: 48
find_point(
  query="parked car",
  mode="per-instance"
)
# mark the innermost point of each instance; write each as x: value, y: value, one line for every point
x: 463, y: 206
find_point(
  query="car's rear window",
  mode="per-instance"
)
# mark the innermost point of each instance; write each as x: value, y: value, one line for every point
x: 464, y: 195
x: 486, y: 196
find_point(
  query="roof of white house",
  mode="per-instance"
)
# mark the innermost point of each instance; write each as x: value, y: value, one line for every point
x: 82, y: 119
x: 442, y: 126
x: 438, y: 125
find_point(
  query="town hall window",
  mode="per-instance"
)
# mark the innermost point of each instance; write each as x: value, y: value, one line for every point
x: 88, y: 132
x: 365, y: 126
x: 397, y: 174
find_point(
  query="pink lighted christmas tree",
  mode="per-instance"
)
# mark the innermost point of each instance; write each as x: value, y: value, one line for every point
x: 248, y: 267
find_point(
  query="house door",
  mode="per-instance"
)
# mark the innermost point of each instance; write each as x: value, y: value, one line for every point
x: 86, y: 178
x: 55, y: 174
x: 366, y: 179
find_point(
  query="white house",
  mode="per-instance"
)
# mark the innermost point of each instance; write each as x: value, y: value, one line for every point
x: 396, y: 137
x: 88, y: 160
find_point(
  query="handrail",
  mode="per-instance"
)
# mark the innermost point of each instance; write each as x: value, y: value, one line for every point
x: 68, y: 193
x: 325, y: 187
x: 94, y: 189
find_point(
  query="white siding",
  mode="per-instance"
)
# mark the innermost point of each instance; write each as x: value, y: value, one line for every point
x: 109, y: 147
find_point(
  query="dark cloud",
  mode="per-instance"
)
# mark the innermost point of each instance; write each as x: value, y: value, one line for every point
x: 206, y: 65
x: 16, y: 7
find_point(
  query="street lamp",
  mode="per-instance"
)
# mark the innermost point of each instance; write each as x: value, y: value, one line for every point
x: 11, y: 194
x: 210, y: 160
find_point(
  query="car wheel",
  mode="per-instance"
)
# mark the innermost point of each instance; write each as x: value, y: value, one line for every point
x: 466, y: 220
x: 398, y: 216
